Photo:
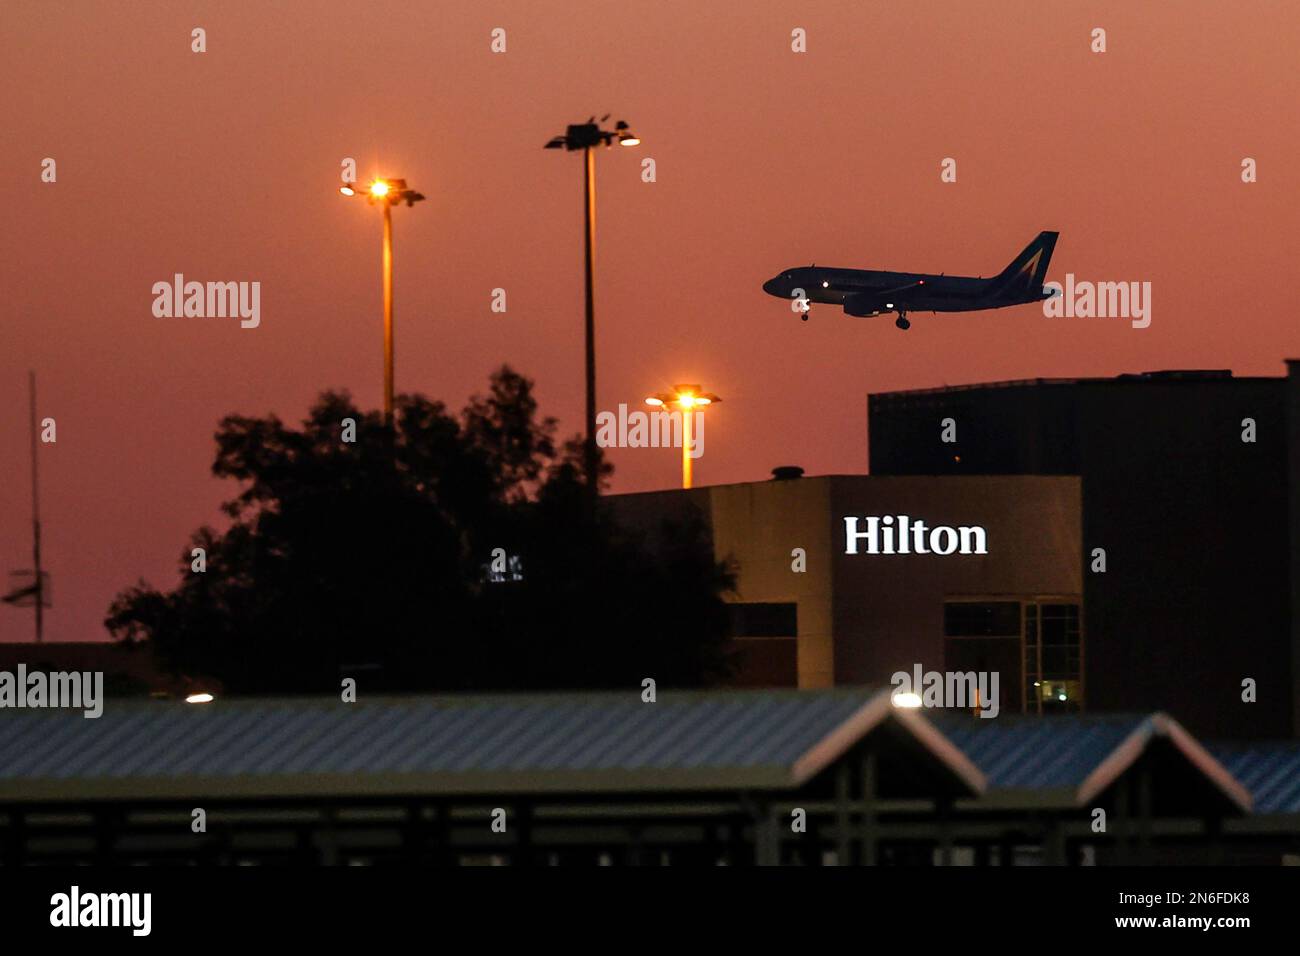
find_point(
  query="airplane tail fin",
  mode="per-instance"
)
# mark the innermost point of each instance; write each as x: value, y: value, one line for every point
x: 1028, y: 270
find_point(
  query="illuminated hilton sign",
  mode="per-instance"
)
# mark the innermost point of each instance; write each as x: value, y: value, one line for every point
x: 904, y: 535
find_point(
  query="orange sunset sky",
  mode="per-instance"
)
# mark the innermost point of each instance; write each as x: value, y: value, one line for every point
x: 224, y: 166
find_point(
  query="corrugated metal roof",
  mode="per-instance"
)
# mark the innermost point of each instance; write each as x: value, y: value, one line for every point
x: 1270, y: 771
x: 523, y: 743
x: 1039, y: 752
x: 1034, y: 758
x: 1068, y: 760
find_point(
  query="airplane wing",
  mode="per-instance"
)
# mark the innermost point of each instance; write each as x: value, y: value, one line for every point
x: 876, y: 292
x: 876, y: 300
x: 901, y: 288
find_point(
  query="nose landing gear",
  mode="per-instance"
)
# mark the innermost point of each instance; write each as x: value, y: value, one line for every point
x: 902, y: 321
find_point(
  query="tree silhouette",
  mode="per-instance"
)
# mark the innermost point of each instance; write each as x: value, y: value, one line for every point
x: 373, y: 558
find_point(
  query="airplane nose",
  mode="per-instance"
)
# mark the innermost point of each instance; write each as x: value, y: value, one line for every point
x: 770, y: 286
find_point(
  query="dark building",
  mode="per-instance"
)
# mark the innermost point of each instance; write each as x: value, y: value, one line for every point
x: 1186, y: 484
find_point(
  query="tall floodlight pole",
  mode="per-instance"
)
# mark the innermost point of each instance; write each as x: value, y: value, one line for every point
x: 586, y: 137
x: 388, y: 313
x: 590, y: 458
x: 387, y: 193
x: 689, y: 399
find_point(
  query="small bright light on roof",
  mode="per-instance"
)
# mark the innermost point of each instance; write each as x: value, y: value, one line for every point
x: 347, y: 190
x: 654, y: 401
x: 202, y: 698
x: 908, y: 700
x: 629, y: 141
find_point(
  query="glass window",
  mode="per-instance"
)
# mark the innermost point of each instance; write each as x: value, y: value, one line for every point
x: 1052, y: 648
x: 981, y: 619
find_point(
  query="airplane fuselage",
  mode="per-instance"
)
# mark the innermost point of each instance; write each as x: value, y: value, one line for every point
x: 915, y: 291
x: 867, y: 292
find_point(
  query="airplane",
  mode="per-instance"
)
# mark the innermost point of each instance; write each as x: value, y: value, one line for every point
x: 866, y: 292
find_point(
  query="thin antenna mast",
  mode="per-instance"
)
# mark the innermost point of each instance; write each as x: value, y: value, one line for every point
x: 39, y: 582
x: 36, y: 591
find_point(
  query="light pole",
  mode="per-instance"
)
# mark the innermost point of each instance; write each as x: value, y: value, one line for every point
x: 388, y: 193
x: 586, y: 137
x: 688, y: 399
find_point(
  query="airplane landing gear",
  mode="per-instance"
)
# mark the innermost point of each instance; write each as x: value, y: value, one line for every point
x: 902, y: 322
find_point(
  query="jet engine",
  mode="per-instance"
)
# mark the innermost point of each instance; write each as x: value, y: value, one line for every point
x: 865, y: 304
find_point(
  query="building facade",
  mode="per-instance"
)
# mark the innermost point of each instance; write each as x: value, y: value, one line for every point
x: 849, y: 579
x: 1190, y: 490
